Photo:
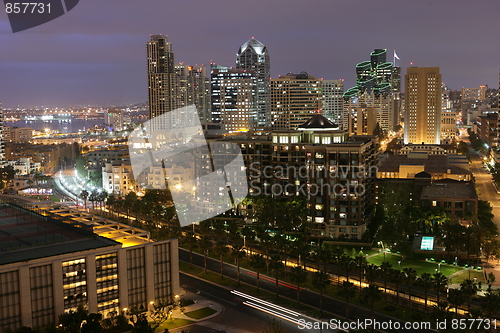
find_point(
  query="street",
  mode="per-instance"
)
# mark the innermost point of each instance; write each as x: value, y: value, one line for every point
x: 334, y: 306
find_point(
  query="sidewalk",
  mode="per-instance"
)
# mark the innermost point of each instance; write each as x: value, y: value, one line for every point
x: 200, y: 302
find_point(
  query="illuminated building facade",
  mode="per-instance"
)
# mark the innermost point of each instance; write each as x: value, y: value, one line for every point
x: 62, y: 258
x: 295, y: 98
x: 233, y: 98
x: 253, y: 56
x: 377, y: 86
x: 333, y: 102
x: 423, y: 105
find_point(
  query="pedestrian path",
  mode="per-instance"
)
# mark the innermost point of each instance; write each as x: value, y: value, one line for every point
x: 200, y: 302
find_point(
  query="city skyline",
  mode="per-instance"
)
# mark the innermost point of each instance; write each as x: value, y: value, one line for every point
x: 73, y: 60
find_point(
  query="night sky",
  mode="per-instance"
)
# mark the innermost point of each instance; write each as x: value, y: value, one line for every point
x: 96, y: 53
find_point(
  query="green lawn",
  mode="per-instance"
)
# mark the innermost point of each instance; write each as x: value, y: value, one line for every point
x: 184, y: 266
x: 172, y: 323
x: 420, y: 266
x: 200, y: 313
x: 479, y: 275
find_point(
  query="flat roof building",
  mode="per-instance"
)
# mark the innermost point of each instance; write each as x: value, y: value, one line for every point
x: 54, y: 259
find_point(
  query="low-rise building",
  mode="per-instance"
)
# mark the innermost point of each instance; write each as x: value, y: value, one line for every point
x: 54, y: 259
x: 438, y: 166
x: 458, y: 199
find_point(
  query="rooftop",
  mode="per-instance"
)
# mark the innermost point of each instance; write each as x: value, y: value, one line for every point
x: 318, y: 121
x: 432, y: 164
x: 27, y: 236
x: 449, y: 189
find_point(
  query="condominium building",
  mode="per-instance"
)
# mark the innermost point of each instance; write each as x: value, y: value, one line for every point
x: 161, y: 81
x: 17, y: 134
x: 294, y: 99
x: 423, y: 105
x: 193, y: 88
x: 54, y: 259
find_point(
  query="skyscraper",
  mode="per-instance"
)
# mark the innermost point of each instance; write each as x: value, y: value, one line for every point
x: 333, y: 103
x: 377, y: 86
x: 423, y: 105
x: 161, y: 81
x: 294, y: 99
x: 253, y: 56
x: 193, y: 87
x: 233, y: 99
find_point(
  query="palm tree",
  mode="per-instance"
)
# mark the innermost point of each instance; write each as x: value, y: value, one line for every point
x: 371, y: 295
x: 386, y: 268
x: 361, y: 263
x: 299, y: 276
x: 425, y: 281
x: 320, y: 281
x: 84, y: 195
x: 396, y: 277
x: 469, y: 288
x: 276, y: 265
x: 372, y: 273
x: 345, y: 264
x: 440, y: 311
x: 347, y: 291
x: 237, y: 253
x: 489, y: 303
x: 410, y: 278
x: 205, y: 245
x: 337, y: 254
x: 191, y: 240
x: 456, y: 297
x: 258, y: 263
x: 440, y: 282
x: 220, y: 249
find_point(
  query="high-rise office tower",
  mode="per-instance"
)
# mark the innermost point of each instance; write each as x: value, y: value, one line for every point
x: 253, y: 56
x: 294, y: 99
x: 333, y: 103
x: 161, y: 81
x: 423, y: 105
x: 233, y: 99
x: 377, y: 86
x: 193, y: 88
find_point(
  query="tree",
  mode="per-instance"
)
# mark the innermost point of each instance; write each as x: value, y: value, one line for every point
x: 347, y: 291
x: 220, y: 249
x: 371, y: 295
x: 469, y: 288
x: 237, y: 253
x: 84, y: 195
x: 425, y: 281
x: 346, y: 264
x: 298, y: 276
x: 372, y: 273
x: 456, y: 297
x: 276, y: 265
x: 320, y: 281
x: 205, y: 245
x: 386, y: 268
x: 489, y: 303
x: 361, y: 262
x: 397, y: 277
x: 410, y: 278
x: 258, y: 263
x: 440, y: 282
x: 191, y: 240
